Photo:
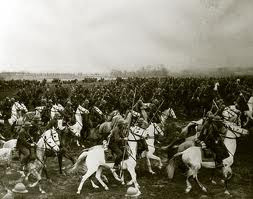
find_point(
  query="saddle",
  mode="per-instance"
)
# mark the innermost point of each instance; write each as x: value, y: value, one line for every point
x: 110, y: 157
x: 207, y: 155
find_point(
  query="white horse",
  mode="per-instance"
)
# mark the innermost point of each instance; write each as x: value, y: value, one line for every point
x: 168, y: 113
x: 151, y: 132
x: 192, y: 158
x: 36, y: 113
x: 48, y: 140
x: 94, y: 164
x: 232, y: 114
x: 15, y: 112
x: 77, y: 127
x: 56, y: 109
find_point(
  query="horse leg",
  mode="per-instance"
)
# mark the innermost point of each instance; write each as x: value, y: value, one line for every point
x: 200, y: 184
x: 94, y: 185
x: 152, y: 156
x: 227, y: 172
x: 212, y: 177
x: 115, y: 175
x: 132, y: 172
x: 85, y: 177
x: 188, y: 184
x: 59, y: 156
x: 98, y: 176
x: 149, y: 164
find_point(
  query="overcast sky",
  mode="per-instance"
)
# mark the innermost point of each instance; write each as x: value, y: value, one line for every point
x: 97, y: 35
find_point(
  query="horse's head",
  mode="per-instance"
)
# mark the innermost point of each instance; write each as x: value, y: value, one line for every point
x: 51, y: 140
x: 157, y: 129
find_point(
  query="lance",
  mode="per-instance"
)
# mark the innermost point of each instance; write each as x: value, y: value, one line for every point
x: 128, y: 127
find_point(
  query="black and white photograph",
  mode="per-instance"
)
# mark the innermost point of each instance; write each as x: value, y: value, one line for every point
x: 126, y: 99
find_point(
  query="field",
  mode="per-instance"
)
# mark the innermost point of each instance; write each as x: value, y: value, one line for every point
x: 152, y: 186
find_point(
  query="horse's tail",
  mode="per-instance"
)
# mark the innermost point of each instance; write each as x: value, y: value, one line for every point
x: 171, y: 166
x: 78, y: 162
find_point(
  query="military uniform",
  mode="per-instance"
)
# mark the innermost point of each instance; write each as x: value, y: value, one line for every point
x: 25, y: 144
x: 117, y: 141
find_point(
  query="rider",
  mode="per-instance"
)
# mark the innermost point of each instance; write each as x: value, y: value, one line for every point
x: 68, y: 113
x: 210, y: 135
x: 45, y: 113
x: 25, y: 144
x: 152, y: 111
x: 117, y: 141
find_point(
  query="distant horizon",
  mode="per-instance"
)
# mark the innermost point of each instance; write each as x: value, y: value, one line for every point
x: 147, y: 68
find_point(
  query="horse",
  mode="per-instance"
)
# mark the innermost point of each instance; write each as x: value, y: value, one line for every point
x: 13, y: 142
x: 94, y: 164
x: 56, y: 109
x: 232, y: 114
x: 151, y: 132
x: 15, y: 112
x: 168, y: 113
x: 37, y: 113
x: 192, y: 158
x: 49, y: 140
x: 77, y: 127
x: 104, y: 129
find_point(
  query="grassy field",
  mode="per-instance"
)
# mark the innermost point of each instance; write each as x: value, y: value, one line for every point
x: 152, y: 186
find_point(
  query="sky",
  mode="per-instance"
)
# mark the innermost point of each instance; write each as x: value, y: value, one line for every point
x: 99, y: 35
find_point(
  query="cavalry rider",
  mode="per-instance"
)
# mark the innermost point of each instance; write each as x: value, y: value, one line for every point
x: 45, y: 113
x: 210, y: 136
x: 152, y: 111
x: 86, y: 125
x: 117, y: 139
x: 68, y: 113
x: 242, y: 106
x: 35, y: 129
x: 25, y: 144
x: 141, y: 107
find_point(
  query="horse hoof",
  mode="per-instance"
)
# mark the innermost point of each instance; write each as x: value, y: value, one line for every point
x: 78, y: 192
x: 227, y: 192
x: 204, y: 189
x: 222, y: 181
x: 106, y: 188
x: 213, y: 182
x: 122, y: 183
x: 188, y: 189
x: 43, y: 192
x: 129, y: 183
x: 152, y: 172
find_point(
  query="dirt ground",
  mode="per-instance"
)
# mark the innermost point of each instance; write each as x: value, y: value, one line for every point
x: 152, y: 186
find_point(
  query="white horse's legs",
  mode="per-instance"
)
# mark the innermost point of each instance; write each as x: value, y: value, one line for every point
x: 98, y: 176
x: 133, y: 176
x: 200, y: 184
x: 227, y: 172
x: 149, y: 165
x: 94, y: 185
x: 85, y: 177
x: 188, y: 184
x: 115, y: 175
x: 154, y: 157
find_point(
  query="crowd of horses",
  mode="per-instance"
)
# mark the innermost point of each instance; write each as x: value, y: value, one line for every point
x: 93, y: 158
